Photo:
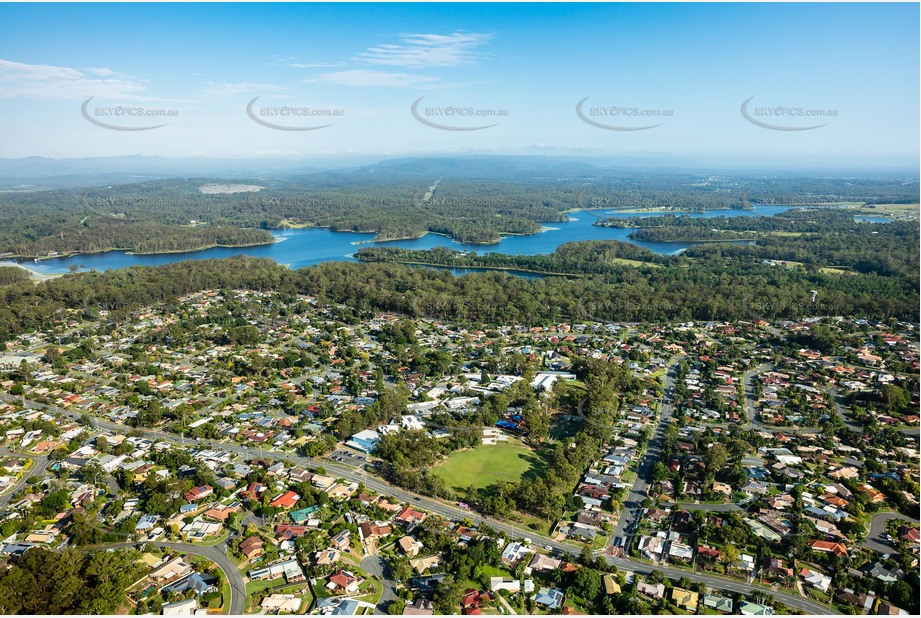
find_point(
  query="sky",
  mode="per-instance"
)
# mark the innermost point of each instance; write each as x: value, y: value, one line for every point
x: 724, y: 82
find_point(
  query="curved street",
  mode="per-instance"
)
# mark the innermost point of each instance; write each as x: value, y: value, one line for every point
x: 378, y: 567
x: 216, y: 554
x: 40, y: 464
x: 876, y: 538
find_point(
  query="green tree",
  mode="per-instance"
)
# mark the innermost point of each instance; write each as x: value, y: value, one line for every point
x: 716, y: 457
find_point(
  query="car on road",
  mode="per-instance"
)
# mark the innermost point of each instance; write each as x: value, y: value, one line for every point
x: 463, y: 505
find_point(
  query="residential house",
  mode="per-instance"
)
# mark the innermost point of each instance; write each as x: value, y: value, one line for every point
x: 656, y: 591
x: 343, y: 582
x: 543, y: 563
x: 551, y: 598
x: 686, y: 599
x: 289, y: 569
x: 252, y: 547
x: 817, y: 580
x: 373, y: 530
x: 409, y: 546
x: 409, y: 516
x: 341, y: 540
x: 720, y: 604
x: 285, y: 500
x: 512, y: 553
x: 747, y: 608
x: 419, y: 607
x: 198, y: 493
x: 611, y: 586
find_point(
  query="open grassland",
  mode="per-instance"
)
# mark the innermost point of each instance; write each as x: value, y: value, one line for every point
x: 489, y: 464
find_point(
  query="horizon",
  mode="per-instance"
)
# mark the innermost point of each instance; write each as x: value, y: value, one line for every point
x: 50, y: 167
x: 678, y: 86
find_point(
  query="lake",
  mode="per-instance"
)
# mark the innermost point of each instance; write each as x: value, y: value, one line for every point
x: 297, y: 248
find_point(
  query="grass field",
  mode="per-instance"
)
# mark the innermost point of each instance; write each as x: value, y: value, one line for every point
x: 831, y: 270
x: 635, y: 263
x: 488, y: 464
x: 894, y: 211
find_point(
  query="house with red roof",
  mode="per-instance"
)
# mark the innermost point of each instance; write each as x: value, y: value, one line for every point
x: 343, y: 581
x: 409, y: 516
x: 285, y: 500
x: 472, y: 600
x: 252, y: 492
x: 912, y: 535
x: 707, y: 552
x: 198, y: 493
x: 827, y: 547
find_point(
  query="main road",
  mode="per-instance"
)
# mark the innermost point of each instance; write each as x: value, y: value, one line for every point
x: 452, y: 511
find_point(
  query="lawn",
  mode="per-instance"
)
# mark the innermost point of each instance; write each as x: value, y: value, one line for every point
x: 487, y: 464
x: 635, y: 263
x: 258, y: 586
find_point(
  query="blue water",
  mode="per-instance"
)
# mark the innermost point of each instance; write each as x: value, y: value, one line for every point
x: 305, y: 247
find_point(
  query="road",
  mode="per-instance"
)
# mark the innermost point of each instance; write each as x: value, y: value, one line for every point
x: 748, y: 383
x: 630, y: 515
x: 39, y: 467
x: 876, y: 539
x: 377, y: 566
x: 215, y: 554
x: 452, y: 511
x: 838, y: 398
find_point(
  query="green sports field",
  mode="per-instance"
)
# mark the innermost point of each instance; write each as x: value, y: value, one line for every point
x: 487, y: 464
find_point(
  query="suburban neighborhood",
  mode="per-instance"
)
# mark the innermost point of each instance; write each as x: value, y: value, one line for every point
x: 249, y: 453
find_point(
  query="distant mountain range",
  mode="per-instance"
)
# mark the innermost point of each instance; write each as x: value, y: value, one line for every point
x: 36, y: 173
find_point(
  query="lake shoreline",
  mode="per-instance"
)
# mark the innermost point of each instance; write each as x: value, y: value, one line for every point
x: 314, y: 245
x: 61, y: 256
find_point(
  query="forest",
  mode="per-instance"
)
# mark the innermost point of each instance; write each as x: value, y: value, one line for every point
x: 823, y: 264
x: 44, y: 581
x: 719, y: 288
x: 95, y: 235
x: 473, y: 202
x: 854, y: 268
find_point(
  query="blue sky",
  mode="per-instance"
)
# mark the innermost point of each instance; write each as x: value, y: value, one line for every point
x: 687, y: 68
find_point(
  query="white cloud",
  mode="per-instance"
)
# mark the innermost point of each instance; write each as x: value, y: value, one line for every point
x: 420, y: 51
x: 227, y: 89
x: 312, y: 65
x: 360, y: 77
x: 101, y: 71
x: 42, y: 81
